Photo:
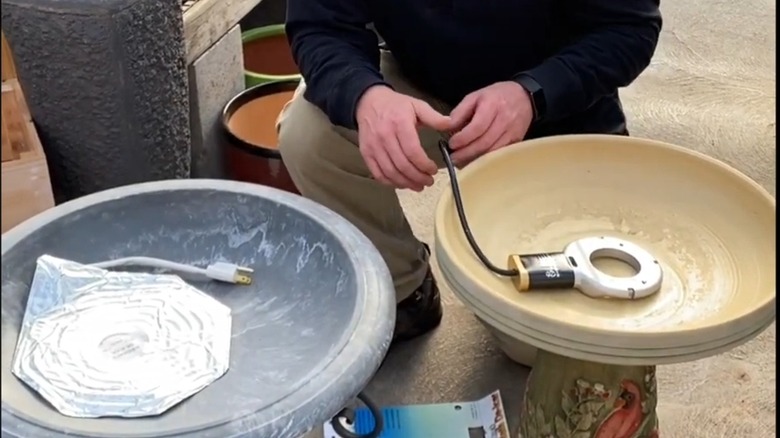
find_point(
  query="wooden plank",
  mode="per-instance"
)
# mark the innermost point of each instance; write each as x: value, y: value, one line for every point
x: 17, y: 121
x: 8, y: 150
x: 14, y: 131
x: 206, y: 21
x: 8, y: 67
x: 26, y: 186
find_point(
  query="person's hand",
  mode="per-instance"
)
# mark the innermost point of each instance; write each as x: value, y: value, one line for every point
x: 389, y: 143
x: 489, y: 119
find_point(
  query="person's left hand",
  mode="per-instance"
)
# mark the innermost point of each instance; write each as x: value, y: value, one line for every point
x: 489, y: 119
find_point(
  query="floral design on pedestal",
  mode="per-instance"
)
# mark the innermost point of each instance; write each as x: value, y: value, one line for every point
x: 613, y: 407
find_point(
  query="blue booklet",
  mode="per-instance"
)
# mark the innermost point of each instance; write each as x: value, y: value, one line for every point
x: 482, y: 418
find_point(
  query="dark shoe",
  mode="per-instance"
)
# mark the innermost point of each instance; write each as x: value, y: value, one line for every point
x: 420, y: 313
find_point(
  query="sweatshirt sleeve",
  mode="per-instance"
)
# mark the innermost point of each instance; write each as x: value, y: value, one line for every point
x: 617, y: 39
x: 337, y: 54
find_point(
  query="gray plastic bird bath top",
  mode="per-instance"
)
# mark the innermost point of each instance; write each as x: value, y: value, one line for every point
x: 308, y: 334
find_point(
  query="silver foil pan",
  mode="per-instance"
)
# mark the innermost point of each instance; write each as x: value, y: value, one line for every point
x: 97, y: 343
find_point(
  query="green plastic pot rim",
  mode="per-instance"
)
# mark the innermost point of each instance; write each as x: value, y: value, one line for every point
x: 260, y: 33
x: 248, y: 95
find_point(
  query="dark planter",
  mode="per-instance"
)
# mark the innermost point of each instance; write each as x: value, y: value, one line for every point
x: 249, y: 124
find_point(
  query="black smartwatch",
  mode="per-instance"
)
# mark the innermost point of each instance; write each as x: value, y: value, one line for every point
x: 536, y: 93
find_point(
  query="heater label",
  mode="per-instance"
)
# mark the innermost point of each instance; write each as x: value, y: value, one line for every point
x: 548, y: 271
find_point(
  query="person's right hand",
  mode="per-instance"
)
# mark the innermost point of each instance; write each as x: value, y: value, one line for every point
x: 389, y: 142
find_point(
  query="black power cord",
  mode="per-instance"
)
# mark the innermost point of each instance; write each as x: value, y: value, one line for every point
x: 348, y: 415
x: 445, y: 152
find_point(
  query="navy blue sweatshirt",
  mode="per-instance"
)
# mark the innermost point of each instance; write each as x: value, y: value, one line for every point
x: 579, y: 51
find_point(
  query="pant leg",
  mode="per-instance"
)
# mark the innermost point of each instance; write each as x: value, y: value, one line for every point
x: 325, y: 163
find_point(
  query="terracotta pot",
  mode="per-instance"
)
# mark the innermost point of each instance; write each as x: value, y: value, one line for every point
x: 267, y: 56
x: 251, y: 139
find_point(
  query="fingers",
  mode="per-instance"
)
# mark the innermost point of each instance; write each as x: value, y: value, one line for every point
x: 475, y: 128
x: 468, y: 157
x: 463, y: 113
x: 386, y: 158
x: 412, y: 168
x: 376, y: 170
x: 377, y: 161
x: 398, y: 163
x: 408, y: 175
x: 482, y: 144
x: 409, y: 140
x: 428, y: 116
x: 390, y: 144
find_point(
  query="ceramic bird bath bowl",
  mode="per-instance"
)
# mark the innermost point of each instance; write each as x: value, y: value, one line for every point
x: 307, y: 334
x: 711, y: 229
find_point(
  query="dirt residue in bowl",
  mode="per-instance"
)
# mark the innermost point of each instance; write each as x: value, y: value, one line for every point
x: 255, y: 121
x: 269, y: 56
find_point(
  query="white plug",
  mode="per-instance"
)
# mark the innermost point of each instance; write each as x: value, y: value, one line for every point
x: 230, y: 273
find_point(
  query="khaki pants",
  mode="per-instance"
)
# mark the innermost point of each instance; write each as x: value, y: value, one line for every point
x: 326, y: 166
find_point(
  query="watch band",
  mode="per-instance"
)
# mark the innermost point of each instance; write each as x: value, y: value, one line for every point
x: 536, y: 93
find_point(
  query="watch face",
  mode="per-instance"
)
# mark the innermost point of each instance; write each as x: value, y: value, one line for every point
x: 533, y: 88
x: 536, y: 94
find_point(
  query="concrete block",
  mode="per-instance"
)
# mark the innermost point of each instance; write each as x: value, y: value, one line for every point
x: 215, y: 77
x: 106, y: 83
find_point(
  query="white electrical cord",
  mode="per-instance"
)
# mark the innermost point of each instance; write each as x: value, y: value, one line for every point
x: 221, y: 271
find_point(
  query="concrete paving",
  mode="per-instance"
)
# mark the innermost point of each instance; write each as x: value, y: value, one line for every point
x: 711, y: 87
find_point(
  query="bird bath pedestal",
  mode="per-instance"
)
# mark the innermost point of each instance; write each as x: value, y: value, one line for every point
x: 571, y: 398
x: 711, y: 229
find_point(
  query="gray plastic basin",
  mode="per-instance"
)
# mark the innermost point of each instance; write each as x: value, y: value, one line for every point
x: 308, y: 334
